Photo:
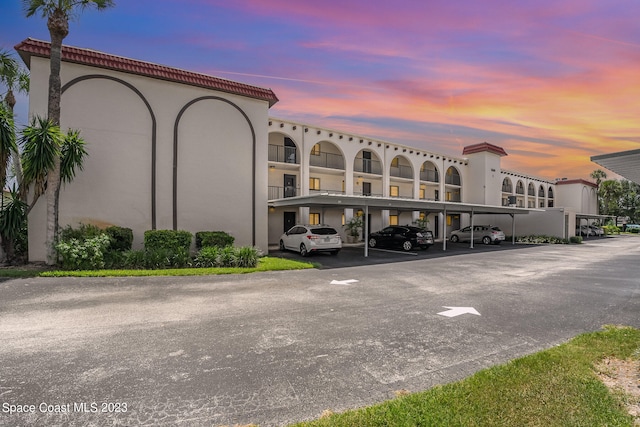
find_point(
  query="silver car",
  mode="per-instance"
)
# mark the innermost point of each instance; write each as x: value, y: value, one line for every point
x: 311, y: 238
x: 486, y: 234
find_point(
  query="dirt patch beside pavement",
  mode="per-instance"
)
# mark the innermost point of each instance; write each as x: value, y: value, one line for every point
x: 623, y: 376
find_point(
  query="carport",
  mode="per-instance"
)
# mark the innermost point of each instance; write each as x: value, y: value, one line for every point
x: 587, y: 217
x: 367, y: 202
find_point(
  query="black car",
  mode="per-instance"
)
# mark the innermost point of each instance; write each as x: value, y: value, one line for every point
x: 401, y: 236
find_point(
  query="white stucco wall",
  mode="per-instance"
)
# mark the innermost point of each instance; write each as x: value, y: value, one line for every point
x: 214, y: 168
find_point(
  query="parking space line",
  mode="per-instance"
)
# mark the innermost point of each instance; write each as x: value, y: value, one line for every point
x: 394, y: 252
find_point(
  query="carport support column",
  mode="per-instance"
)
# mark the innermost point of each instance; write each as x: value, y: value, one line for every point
x: 472, y: 229
x: 444, y: 229
x: 366, y: 231
x: 513, y: 229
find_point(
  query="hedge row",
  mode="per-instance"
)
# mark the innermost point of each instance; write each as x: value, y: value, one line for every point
x: 89, y: 247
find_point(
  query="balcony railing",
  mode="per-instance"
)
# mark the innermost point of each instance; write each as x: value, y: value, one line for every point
x: 361, y: 193
x: 282, y: 192
x: 283, y: 154
x: 367, y: 166
x: 325, y: 190
x: 453, y: 180
x: 327, y: 160
x: 429, y: 175
x: 402, y: 171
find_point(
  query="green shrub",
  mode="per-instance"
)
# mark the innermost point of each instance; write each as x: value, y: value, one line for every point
x: 83, y: 255
x: 133, y: 259
x: 247, y: 257
x: 121, y: 238
x: 611, y: 229
x: 542, y: 239
x: 575, y: 239
x: 82, y: 233
x: 207, y: 257
x: 171, y: 240
x: 219, y: 239
x: 166, y: 258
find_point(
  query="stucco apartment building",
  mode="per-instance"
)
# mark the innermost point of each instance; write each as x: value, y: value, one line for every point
x: 174, y: 149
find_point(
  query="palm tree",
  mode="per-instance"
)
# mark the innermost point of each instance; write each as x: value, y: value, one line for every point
x: 7, y: 142
x: 14, y: 78
x: 57, y: 13
x: 598, y: 175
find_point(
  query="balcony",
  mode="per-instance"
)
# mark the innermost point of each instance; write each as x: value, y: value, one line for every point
x: 327, y: 160
x: 452, y: 180
x: 283, y: 154
x: 282, y: 192
x: 429, y: 175
x: 367, y: 166
x: 402, y: 172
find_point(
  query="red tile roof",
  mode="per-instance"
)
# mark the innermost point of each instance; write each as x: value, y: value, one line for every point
x: 483, y: 146
x: 31, y: 47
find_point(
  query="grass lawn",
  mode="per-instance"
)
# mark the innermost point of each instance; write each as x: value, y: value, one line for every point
x: 265, y: 264
x: 556, y: 387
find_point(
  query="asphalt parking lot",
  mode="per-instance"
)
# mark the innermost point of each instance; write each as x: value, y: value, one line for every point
x: 352, y: 255
x: 278, y: 347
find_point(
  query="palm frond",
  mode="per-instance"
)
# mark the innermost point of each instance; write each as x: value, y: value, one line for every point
x: 72, y: 155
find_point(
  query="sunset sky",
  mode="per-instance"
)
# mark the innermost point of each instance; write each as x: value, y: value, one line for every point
x: 552, y: 82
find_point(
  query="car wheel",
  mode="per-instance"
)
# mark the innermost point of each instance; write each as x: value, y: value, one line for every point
x: 407, y: 245
x: 454, y: 238
x: 282, y: 248
x: 372, y: 242
x: 303, y: 250
x: 424, y: 247
x: 486, y: 240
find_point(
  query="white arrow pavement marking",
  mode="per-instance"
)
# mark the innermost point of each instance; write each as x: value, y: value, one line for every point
x: 343, y: 282
x: 457, y: 311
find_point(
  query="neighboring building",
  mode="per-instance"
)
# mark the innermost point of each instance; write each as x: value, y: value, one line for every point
x: 172, y: 149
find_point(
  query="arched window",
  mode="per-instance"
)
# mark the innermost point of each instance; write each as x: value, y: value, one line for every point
x: 531, y: 190
x: 519, y: 188
x: 507, y: 187
x: 453, y: 176
x: 550, y: 198
x: 541, y: 192
x: 429, y: 172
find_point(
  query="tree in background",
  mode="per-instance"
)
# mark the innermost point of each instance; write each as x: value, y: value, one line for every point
x: 598, y: 175
x: 620, y: 199
x: 15, y: 79
x: 58, y: 13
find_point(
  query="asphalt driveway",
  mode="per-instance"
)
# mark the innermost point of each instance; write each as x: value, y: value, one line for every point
x: 274, y: 348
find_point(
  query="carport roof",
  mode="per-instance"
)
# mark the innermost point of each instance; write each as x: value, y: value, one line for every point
x: 341, y: 200
x: 624, y: 163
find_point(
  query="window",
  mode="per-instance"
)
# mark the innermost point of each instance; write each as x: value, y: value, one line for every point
x: 366, y: 188
x: 394, y: 191
x: 506, y: 186
x: 344, y: 221
x: 315, y: 151
x: 519, y: 188
x: 394, y: 162
x: 314, y: 183
x: 393, y: 219
x: 423, y: 192
x: 366, y: 161
x: 314, y: 218
x: 290, y: 155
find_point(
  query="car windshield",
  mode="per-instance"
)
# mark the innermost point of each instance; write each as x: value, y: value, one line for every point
x: 323, y: 231
x: 496, y: 228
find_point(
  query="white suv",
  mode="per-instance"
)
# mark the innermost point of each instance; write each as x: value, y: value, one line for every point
x: 311, y: 238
